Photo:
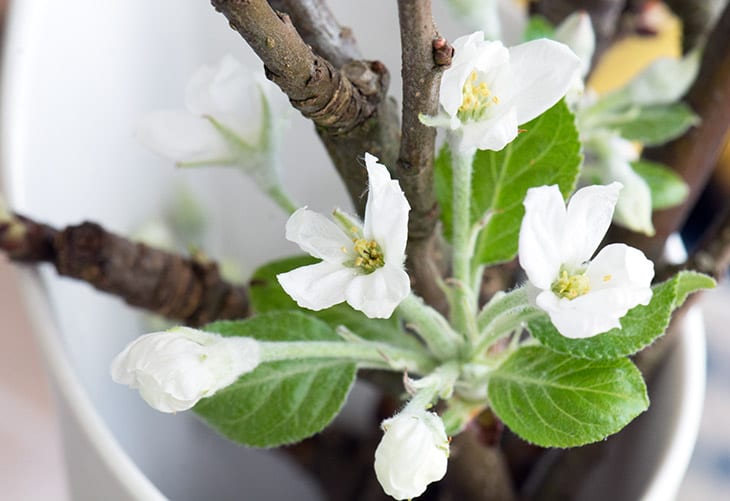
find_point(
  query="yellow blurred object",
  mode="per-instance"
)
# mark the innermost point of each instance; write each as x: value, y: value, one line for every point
x: 622, y: 61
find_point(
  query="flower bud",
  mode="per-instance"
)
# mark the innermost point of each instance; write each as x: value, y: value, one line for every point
x: 576, y: 31
x: 412, y: 453
x: 663, y: 81
x: 174, y: 369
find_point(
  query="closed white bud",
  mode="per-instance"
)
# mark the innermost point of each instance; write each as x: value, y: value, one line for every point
x: 174, y: 369
x: 413, y: 453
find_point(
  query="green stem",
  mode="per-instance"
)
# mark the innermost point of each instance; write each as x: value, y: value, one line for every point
x: 464, y: 304
x: 440, y: 383
x: 502, y: 316
x: 369, y: 354
x: 433, y: 328
x: 279, y: 196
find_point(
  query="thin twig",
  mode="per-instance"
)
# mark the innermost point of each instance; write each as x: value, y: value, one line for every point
x: 190, y: 290
x: 421, y: 79
x: 319, y: 28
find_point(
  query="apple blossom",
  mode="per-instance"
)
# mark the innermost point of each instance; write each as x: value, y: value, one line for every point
x: 361, y: 264
x: 234, y: 117
x: 174, y: 369
x: 576, y: 31
x: 413, y: 453
x: 489, y: 90
x: 583, y: 297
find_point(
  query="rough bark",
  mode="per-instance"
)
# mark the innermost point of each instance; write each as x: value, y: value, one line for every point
x: 189, y: 290
x: 420, y: 44
x: 318, y: 27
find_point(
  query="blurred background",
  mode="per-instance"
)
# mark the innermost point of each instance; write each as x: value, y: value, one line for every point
x: 31, y: 465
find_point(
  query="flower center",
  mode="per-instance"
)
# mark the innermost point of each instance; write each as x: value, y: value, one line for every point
x: 369, y: 255
x: 477, y: 98
x: 571, y: 285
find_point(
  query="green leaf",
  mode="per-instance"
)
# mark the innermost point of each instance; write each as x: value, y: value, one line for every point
x: 655, y: 125
x: 538, y: 27
x: 667, y: 187
x: 640, y: 327
x: 267, y: 295
x: 547, y: 152
x: 554, y: 400
x: 279, y: 402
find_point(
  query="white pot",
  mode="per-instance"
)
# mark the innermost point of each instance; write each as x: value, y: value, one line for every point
x: 78, y: 74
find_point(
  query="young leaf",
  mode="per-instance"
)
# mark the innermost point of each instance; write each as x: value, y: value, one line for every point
x: 554, y: 400
x: 547, y: 152
x: 667, y: 188
x: 279, y: 402
x: 655, y: 125
x: 641, y: 326
x: 267, y: 295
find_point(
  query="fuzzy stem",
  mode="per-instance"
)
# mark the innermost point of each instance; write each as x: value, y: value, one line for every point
x: 463, y: 305
x: 374, y: 355
x: 431, y: 326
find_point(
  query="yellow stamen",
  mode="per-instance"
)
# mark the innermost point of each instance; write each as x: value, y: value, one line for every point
x: 370, y: 255
x: 571, y: 285
x: 476, y: 99
x: 606, y: 278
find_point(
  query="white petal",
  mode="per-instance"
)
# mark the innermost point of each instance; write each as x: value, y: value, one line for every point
x: 541, y: 235
x: 492, y: 134
x: 618, y: 266
x: 182, y: 137
x: 317, y: 286
x: 229, y: 93
x: 439, y: 120
x: 589, y: 214
x: 576, y: 31
x: 318, y: 236
x: 379, y: 293
x: 386, y: 212
x: 543, y: 72
x: 578, y: 319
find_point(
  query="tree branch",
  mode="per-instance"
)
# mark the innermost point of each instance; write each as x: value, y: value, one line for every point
x: 318, y: 27
x: 348, y: 106
x: 190, y: 290
x: 414, y: 169
x: 694, y: 155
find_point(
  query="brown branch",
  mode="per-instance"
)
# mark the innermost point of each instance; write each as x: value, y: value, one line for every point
x: 319, y: 28
x: 696, y: 20
x: 694, y: 155
x: 348, y: 106
x: 421, y: 79
x: 186, y: 289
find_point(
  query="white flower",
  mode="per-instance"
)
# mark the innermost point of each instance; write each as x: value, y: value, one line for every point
x: 489, y: 90
x: 176, y: 368
x: 608, y: 159
x: 413, y: 453
x: 234, y: 117
x: 582, y: 297
x: 360, y: 265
